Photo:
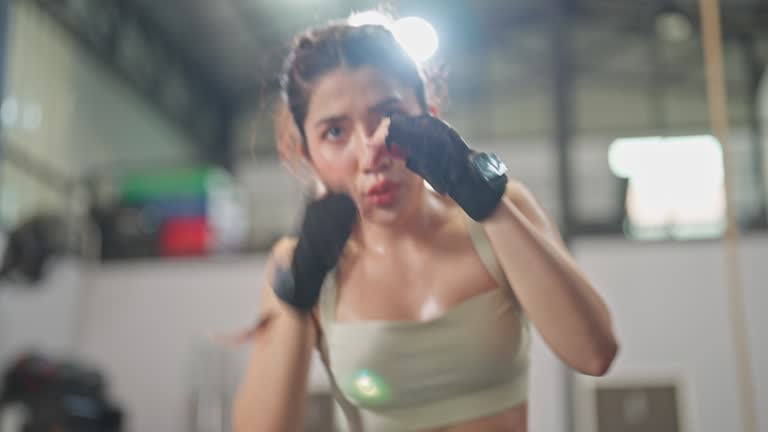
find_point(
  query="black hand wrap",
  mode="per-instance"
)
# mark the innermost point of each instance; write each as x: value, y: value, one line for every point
x: 436, y: 152
x: 325, y: 230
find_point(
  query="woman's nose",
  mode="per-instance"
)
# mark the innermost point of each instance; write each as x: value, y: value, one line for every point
x: 375, y: 154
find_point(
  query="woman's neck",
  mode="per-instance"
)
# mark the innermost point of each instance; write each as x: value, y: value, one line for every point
x: 417, y: 221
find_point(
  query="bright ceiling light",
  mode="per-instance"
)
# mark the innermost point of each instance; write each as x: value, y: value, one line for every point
x: 417, y: 36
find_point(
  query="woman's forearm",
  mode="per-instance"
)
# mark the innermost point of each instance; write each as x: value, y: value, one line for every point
x: 555, y: 294
x: 272, y: 394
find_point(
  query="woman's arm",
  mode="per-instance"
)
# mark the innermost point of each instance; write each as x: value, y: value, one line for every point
x: 272, y: 393
x: 556, y: 296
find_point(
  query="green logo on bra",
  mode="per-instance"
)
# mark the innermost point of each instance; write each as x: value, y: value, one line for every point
x: 367, y: 387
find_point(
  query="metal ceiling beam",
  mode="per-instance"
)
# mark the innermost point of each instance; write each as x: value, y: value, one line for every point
x: 137, y: 51
x: 603, y: 49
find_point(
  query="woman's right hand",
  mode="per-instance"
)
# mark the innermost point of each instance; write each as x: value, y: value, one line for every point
x: 326, y: 227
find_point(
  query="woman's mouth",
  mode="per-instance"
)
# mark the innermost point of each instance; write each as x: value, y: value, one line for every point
x: 383, y: 193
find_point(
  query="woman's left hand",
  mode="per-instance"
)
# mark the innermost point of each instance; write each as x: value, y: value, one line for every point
x: 436, y: 152
x: 432, y: 149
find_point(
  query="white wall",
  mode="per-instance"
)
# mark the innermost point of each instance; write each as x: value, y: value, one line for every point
x: 149, y: 328
x: 669, y: 304
x: 147, y: 320
x: 43, y: 317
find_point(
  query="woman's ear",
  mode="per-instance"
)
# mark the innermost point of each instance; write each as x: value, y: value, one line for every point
x: 434, y: 110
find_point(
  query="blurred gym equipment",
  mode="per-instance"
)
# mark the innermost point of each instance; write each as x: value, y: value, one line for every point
x: 58, y: 396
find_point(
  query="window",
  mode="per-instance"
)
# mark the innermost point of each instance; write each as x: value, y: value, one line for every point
x: 675, y: 186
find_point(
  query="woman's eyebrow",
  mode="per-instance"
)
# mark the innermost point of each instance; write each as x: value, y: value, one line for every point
x: 383, y: 105
x: 330, y: 119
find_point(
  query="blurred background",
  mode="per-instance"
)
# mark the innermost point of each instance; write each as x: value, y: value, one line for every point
x: 140, y: 191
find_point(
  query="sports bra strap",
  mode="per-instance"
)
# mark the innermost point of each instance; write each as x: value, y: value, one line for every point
x: 485, y: 250
x: 328, y: 292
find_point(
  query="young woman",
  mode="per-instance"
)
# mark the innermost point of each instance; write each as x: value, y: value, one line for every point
x: 419, y: 298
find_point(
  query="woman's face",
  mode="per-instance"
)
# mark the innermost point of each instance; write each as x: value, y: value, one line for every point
x: 346, y: 126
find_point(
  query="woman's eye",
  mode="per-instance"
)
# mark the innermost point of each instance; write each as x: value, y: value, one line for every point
x: 332, y: 133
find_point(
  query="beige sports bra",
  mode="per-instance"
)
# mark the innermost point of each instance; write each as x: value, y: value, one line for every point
x: 468, y: 363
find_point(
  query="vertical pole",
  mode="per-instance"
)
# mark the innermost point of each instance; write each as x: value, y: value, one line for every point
x: 562, y: 114
x: 718, y: 102
x: 754, y: 73
x: 4, y: 12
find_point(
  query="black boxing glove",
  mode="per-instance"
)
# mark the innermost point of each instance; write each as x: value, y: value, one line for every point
x: 436, y: 152
x: 325, y: 230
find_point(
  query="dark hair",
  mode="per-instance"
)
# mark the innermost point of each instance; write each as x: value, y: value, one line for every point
x: 322, y: 50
